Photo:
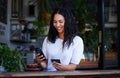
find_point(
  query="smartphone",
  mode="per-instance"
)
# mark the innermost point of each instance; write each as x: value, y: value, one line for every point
x: 56, y: 60
x: 40, y: 51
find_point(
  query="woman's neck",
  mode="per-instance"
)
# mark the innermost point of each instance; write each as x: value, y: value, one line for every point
x: 61, y: 36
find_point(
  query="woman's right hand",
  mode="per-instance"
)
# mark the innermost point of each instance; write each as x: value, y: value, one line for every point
x: 41, y: 60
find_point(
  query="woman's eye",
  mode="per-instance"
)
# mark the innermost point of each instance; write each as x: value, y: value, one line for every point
x: 54, y: 22
x: 61, y: 21
x: 58, y: 21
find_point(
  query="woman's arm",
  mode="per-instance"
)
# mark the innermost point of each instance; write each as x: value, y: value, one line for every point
x: 39, y: 58
x: 41, y: 61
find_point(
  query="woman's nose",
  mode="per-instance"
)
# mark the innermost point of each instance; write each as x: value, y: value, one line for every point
x: 57, y: 24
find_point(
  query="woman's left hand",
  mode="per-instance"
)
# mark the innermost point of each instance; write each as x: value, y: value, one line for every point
x: 60, y: 66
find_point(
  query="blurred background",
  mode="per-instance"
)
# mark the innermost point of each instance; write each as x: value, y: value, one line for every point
x: 25, y: 23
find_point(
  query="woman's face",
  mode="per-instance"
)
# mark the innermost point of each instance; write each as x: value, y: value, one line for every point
x: 58, y: 22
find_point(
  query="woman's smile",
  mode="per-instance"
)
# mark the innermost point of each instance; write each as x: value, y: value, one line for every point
x: 59, y: 23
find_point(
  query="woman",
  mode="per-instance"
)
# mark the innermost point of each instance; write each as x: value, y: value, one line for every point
x: 61, y: 43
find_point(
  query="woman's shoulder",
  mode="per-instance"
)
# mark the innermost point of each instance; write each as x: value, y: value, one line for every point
x: 78, y: 41
x: 77, y: 38
x: 45, y: 39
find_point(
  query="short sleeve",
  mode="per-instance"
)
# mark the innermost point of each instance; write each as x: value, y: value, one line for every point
x: 77, y: 54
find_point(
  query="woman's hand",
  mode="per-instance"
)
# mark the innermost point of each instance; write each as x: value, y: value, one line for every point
x: 60, y: 66
x: 41, y: 60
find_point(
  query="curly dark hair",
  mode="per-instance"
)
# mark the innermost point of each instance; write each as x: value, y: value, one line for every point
x: 70, y: 27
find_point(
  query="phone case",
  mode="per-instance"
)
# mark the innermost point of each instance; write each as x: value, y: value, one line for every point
x: 41, y: 52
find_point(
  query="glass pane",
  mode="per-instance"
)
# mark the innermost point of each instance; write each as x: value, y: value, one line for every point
x: 110, y: 34
x: 86, y: 16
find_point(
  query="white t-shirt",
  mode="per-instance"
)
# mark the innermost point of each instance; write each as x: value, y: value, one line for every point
x: 73, y: 54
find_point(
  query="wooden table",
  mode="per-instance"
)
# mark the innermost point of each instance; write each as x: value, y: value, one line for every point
x: 64, y: 74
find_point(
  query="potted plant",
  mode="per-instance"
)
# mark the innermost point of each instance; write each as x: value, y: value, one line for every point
x: 43, y: 18
x: 11, y: 60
